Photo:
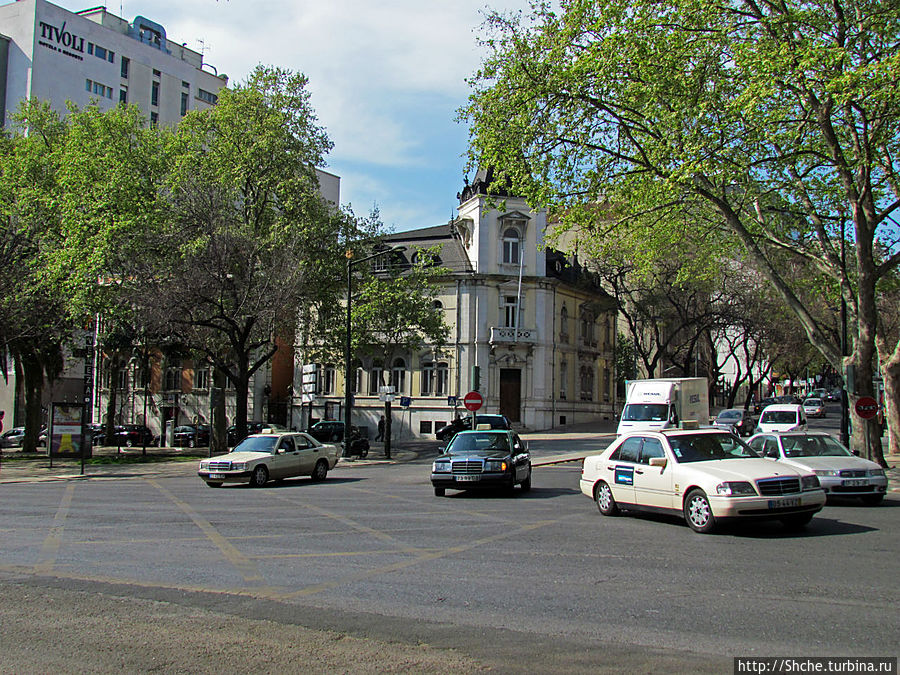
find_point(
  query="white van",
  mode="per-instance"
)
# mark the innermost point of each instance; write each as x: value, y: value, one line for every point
x: 781, y: 417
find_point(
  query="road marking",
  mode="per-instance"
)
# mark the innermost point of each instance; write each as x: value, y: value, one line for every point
x: 244, y: 565
x: 50, y: 547
x: 425, y: 557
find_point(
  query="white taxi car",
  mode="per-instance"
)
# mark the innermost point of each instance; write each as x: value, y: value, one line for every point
x: 707, y: 475
x: 270, y: 456
x: 841, y: 473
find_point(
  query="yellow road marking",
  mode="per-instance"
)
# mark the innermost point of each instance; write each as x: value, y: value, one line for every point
x: 425, y: 557
x: 50, y: 547
x: 244, y: 565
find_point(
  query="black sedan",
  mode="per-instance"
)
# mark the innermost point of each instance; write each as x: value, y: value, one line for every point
x: 188, y: 436
x: 736, y: 420
x: 327, y: 431
x: 482, y: 459
x: 134, y: 435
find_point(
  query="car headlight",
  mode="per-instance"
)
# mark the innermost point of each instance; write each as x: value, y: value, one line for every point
x: 876, y: 472
x: 238, y: 466
x: 204, y: 466
x: 495, y: 465
x: 810, y: 482
x: 827, y: 472
x: 738, y: 488
x: 440, y: 467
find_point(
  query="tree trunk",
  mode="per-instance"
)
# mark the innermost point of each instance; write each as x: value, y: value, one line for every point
x: 33, y: 376
x: 890, y: 370
x: 387, y: 429
x: 218, y: 432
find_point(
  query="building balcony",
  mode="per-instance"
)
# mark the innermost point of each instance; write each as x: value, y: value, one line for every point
x: 508, y: 335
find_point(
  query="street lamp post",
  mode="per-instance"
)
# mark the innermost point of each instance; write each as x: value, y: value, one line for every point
x: 348, y: 397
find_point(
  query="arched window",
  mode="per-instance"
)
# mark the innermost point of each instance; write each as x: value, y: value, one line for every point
x: 357, y: 375
x: 587, y: 383
x: 173, y: 376
x: 511, y: 246
x: 398, y: 375
x: 375, y: 377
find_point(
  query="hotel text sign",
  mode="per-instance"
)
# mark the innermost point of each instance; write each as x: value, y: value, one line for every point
x: 60, y: 40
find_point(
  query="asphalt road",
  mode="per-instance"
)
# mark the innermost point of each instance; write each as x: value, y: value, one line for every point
x: 369, y: 571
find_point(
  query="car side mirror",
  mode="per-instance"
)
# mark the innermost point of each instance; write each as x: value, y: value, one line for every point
x: 856, y: 452
x: 772, y: 454
x: 442, y: 450
x: 658, y: 461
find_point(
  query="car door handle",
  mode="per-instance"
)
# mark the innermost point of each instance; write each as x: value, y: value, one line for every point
x: 639, y: 471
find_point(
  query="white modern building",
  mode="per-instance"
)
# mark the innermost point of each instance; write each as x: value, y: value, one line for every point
x: 55, y: 55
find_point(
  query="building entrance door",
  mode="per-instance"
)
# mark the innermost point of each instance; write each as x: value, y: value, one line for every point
x: 511, y: 393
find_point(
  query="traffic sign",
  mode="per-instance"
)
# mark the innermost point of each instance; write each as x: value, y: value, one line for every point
x: 451, y: 400
x: 405, y: 401
x: 867, y: 407
x: 473, y: 401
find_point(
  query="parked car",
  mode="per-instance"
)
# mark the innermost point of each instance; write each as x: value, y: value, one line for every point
x: 834, y: 394
x: 782, y: 417
x: 188, y: 436
x: 327, y: 431
x: 12, y: 438
x: 134, y: 435
x: 840, y: 472
x: 814, y: 407
x: 482, y: 459
x: 446, y: 432
x: 763, y: 403
x: 736, y: 420
x: 788, y: 399
x: 705, y: 475
x: 270, y: 456
x: 252, y: 428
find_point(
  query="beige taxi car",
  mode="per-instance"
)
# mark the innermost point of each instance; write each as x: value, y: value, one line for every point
x: 271, y: 456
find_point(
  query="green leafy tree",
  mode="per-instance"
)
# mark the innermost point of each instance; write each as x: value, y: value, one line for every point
x: 394, y: 314
x: 783, y: 119
x: 247, y: 241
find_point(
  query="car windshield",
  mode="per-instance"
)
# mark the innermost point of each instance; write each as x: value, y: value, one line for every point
x: 705, y: 447
x: 813, y: 446
x: 257, y: 444
x: 778, y: 417
x: 645, y: 412
x: 812, y: 402
x: 730, y: 415
x: 478, y: 442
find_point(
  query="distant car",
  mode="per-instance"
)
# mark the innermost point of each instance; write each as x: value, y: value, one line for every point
x: 252, y: 428
x: 705, y: 475
x: 188, y: 436
x: 834, y: 394
x: 789, y: 399
x: 736, y: 420
x: 763, y: 403
x: 12, y: 438
x: 814, y: 407
x: 482, y: 459
x: 781, y: 417
x: 840, y: 472
x: 448, y: 431
x: 133, y: 435
x: 273, y: 456
x: 327, y: 431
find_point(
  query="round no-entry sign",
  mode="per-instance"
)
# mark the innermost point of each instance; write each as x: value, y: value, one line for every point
x: 867, y: 407
x: 473, y: 401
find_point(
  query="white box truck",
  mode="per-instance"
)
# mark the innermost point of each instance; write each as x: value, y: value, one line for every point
x: 664, y: 403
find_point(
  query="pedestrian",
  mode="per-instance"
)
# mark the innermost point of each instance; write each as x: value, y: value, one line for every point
x: 380, y: 436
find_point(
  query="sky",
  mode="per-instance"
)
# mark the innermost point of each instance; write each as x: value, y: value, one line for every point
x: 385, y: 78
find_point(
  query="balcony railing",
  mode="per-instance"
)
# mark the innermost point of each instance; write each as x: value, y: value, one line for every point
x: 527, y: 335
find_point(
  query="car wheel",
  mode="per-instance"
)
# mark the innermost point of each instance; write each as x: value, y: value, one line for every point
x: 698, y: 513
x: 364, y: 453
x: 797, y: 522
x: 872, y: 500
x: 191, y: 443
x: 526, y: 484
x: 606, y: 503
x: 320, y: 470
x: 129, y: 443
x: 439, y: 492
x: 210, y: 484
x: 259, y: 476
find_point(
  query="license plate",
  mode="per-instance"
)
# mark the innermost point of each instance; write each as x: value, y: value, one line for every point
x: 784, y: 503
x: 855, y: 482
x: 217, y: 475
x: 468, y: 478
